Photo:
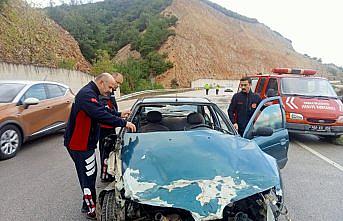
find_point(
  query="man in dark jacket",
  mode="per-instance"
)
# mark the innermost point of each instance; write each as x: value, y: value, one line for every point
x: 243, y: 105
x: 108, y: 130
x: 82, y: 133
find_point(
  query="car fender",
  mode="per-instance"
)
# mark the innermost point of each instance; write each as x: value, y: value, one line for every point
x: 16, y: 123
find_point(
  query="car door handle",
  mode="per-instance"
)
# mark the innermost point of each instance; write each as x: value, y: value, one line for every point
x: 48, y: 107
x: 283, y: 141
x: 68, y: 102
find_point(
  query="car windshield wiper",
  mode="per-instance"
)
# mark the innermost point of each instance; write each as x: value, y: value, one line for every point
x: 300, y: 95
x: 309, y: 96
x: 322, y: 96
x: 292, y: 94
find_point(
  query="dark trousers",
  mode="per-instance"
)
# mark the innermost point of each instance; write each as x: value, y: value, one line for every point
x: 217, y: 91
x: 105, y: 148
x: 86, y: 168
x: 207, y: 91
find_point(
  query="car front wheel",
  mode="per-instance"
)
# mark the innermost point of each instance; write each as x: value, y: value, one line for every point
x: 110, y: 211
x: 10, y: 141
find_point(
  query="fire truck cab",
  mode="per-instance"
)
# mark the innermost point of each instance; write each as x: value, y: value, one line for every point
x: 310, y: 102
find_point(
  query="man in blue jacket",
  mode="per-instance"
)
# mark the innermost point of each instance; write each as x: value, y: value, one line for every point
x: 243, y: 105
x: 82, y: 134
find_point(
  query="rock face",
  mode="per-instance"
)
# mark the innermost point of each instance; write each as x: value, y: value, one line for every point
x: 126, y: 53
x: 27, y: 36
x: 210, y: 44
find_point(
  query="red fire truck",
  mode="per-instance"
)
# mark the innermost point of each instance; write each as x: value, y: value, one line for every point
x: 310, y: 102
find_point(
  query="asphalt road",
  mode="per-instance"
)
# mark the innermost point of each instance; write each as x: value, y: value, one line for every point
x: 40, y: 183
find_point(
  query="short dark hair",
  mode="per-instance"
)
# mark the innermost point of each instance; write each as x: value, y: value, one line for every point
x: 246, y: 79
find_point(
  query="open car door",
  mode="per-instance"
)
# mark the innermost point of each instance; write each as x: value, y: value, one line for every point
x: 267, y: 127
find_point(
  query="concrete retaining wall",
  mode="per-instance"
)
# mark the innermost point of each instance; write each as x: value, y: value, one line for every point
x: 233, y: 84
x: 74, y: 79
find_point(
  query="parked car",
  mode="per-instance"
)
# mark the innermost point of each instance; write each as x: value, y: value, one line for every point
x: 30, y: 109
x: 228, y: 90
x: 187, y: 162
x: 311, y: 104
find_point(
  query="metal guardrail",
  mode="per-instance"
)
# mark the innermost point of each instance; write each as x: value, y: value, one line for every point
x: 141, y: 94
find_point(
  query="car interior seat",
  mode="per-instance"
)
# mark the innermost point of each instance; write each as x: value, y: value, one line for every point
x: 154, y: 123
x: 194, y: 119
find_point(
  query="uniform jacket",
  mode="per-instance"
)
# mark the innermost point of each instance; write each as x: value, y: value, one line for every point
x: 242, y: 107
x: 82, y: 132
x: 111, y: 106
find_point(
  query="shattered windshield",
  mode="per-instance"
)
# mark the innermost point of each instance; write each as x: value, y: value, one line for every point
x: 307, y: 87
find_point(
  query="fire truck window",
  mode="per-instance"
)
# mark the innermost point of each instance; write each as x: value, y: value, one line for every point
x: 272, y: 84
x: 260, y: 85
x: 309, y: 87
x: 253, y: 83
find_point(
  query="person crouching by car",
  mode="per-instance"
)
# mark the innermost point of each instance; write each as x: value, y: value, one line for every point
x: 82, y: 133
x: 105, y: 130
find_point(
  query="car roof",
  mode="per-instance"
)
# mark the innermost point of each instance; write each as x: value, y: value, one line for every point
x: 286, y: 75
x: 31, y: 82
x: 152, y: 100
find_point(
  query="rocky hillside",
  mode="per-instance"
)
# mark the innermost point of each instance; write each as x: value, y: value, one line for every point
x: 214, y: 43
x: 29, y: 37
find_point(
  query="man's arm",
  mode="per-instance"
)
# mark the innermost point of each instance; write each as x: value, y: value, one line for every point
x: 90, y: 104
x: 232, y: 109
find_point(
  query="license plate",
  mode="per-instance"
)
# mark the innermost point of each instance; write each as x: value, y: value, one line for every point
x: 320, y: 128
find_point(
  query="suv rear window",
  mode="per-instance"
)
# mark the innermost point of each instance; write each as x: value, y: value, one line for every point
x: 55, y: 90
x: 8, y: 91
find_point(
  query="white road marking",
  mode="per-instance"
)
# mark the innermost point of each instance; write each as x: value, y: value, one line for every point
x: 333, y: 163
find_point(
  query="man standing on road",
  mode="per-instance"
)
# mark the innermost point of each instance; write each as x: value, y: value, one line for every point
x: 105, y: 130
x: 243, y: 105
x: 207, y: 88
x: 217, y: 89
x: 82, y: 133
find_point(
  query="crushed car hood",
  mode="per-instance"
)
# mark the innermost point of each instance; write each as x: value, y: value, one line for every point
x: 200, y: 171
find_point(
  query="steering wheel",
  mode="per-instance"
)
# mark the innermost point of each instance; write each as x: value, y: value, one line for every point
x: 200, y: 125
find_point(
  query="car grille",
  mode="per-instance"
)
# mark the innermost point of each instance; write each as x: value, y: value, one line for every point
x: 321, y: 121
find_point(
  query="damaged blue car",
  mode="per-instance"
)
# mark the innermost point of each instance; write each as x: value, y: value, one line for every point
x: 187, y: 162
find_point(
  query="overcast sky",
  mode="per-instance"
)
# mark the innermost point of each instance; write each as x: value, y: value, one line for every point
x: 314, y: 26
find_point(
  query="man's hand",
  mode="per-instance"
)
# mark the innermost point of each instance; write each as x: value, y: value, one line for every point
x: 125, y: 114
x: 235, y: 126
x: 131, y: 126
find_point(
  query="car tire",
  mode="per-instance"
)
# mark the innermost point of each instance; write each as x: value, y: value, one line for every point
x: 10, y: 141
x: 109, y: 210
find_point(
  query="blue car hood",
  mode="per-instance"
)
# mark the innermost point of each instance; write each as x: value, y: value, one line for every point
x: 200, y: 171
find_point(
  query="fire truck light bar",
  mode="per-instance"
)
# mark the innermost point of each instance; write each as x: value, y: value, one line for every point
x: 293, y: 71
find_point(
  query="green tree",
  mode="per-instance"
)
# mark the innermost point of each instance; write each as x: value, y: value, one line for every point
x: 103, y: 28
x: 2, y: 3
x: 156, y: 63
x: 102, y: 63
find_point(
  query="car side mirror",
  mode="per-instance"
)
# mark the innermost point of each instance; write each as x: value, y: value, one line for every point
x: 340, y: 98
x: 263, y: 131
x: 30, y: 101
